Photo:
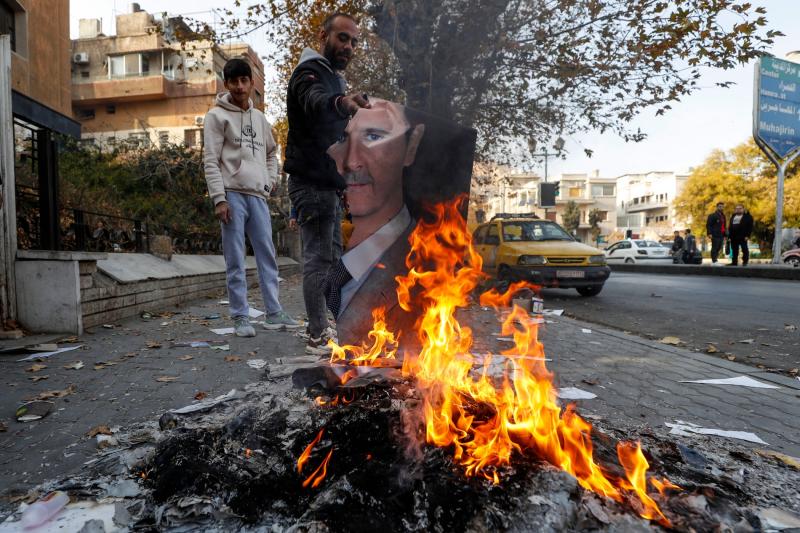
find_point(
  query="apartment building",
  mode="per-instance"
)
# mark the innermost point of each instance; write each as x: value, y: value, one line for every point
x: 152, y: 82
x: 645, y: 203
x: 519, y: 193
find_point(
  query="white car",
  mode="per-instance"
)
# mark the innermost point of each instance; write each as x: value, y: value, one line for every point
x: 638, y: 250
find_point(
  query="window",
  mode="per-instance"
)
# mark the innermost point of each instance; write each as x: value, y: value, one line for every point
x: 139, y: 138
x: 111, y: 109
x: 493, y: 236
x: 163, y: 138
x: 8, y: 23
x: 534, y: 231
x: 144, y: 64
x: 193, y: 137
x: 480, y: 233
x: 116, y: 66
x: 85, y: 114
x: 602, y: 216
x: 602, y: 190
x: 84, y: 74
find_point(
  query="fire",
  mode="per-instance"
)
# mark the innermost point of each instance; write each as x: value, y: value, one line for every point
x: 485, y: 420
x: 316, y: 477
x: 307, y: 452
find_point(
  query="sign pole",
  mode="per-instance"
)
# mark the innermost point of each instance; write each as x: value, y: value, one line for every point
x: 776, y: 125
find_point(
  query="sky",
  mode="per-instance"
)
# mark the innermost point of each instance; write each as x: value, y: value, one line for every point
x: 682, y: 138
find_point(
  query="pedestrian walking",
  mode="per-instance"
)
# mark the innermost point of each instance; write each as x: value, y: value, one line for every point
x: 677, y: 248
x: 318, y: 109
x: 717, y: 229
x: 689, y: 247
x: 241, y: 168
x: 740, y: 229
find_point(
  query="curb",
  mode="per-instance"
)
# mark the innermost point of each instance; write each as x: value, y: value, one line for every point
x: 751, y: 271
x: 777, y: 379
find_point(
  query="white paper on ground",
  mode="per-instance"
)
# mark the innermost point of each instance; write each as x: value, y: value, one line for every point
x: 45, y: 355
x: 224, y: 302
x: 223, y: 331
x: 742, y: 381
x: 258, y: 364
x: 255, y: 313
x: 685, y: 429
x: 206, y: 404
x: 70, y: 518
x: 556, y: 312
x: 574, y: 393
x: 584, y: 330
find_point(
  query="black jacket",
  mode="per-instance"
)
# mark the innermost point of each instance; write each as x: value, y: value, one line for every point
x: 716, y: 225
x: 314, y: 122
x: 743, y: 229
x: 677, y: 244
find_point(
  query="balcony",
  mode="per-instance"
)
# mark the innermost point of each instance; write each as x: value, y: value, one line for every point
x: 649, y: 206
x: 127, y: 89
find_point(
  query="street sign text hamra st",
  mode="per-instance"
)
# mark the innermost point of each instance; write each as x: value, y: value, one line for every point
x: 778, y: 105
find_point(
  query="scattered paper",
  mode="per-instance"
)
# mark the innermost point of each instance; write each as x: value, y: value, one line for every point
x: 774, y: 519
x: 255, y: 313
x: 258, y: 364
x: 555, y: 312
x: 746, y: 341
x: 77, y: 365
x: 505, y: 339
x: 221, y: 347
x: 206, y: 404
x: 224, y: 302
x: 166, y: 379
x: 45, y: 355
x: 574, y: 393
x: 672, y: 341
x: 585, y: 330
x: 686, y: 429
x: 185, y: 357
x: 223, y: 331
x: 742, y: 381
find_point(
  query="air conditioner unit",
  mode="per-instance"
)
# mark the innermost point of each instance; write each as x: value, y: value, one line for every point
x: 80, y: 58
x: 198, y: 120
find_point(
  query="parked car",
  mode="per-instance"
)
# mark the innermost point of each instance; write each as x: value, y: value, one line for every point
x: 539, y: 251
x: 791, y: 257
x: 636, y: 250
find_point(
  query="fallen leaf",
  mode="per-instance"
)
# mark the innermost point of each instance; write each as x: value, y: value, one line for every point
x: 38, y: 378
x: 794, y: 371
x: 99, y: 430
x: 673, y: 341
x: 77, y: 365
x: 153, y: 345
x: 790, y: 327
x: 711, y: 349
x: 108, y: 326
x: 746, y: 341
x: 56, y: 393
x: 166, y: 379
x: 252, y: 354
x: 731, y: 358
x: 36, y: 368
x: 69, y: 340
x: 232, y: 358
x: 788, y: 460
x: 199, y: 396
x: 185, y: 357
x: 3, y: 427
x: 593, y: 381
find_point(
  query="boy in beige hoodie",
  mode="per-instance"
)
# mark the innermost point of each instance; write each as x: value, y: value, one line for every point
x: 241, y: 168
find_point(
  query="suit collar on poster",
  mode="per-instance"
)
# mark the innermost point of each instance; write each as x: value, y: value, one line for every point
x: 360, y: 260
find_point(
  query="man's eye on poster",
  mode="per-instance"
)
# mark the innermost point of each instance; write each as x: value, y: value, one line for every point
x: 395, y: 162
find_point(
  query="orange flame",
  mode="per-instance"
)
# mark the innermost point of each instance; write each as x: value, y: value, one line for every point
x: 494, y: 298
x: 483, y: 419
x: 319, y: 474
x: 307, y: 452
x: 384, y: 345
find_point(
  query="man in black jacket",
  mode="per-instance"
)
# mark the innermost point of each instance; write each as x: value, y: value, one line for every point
x: 677, y: 248
x: 740, y: 230
x: 716, y: 228
x: 318, y: 110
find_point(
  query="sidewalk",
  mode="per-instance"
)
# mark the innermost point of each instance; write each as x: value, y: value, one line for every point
x: 753, y: 270
x: 633, y: 379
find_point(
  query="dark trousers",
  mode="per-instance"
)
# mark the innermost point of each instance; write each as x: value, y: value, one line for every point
x: 319, y: 215
x: 716, y: 247
x: 735, y: 245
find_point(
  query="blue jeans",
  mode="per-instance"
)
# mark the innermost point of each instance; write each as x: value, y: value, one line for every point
x: 320, y: 218
x: 250, y: 215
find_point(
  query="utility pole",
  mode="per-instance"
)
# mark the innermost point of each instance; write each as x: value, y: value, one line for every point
x: 558, y: 145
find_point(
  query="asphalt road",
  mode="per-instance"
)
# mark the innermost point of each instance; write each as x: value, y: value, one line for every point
x: 699, y: 310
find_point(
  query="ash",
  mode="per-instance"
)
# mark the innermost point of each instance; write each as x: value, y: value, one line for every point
x: 234, y: 467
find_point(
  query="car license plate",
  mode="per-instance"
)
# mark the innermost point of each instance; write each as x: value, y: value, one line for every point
x: 570, y: 273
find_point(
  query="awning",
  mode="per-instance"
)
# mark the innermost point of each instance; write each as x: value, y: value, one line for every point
x: 41, y: 115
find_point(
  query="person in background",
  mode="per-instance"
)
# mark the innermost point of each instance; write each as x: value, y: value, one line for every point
x: 717, y: 229
x: 318, y: 110
x: 740, y: 230
x: 689, y: 246
x: 677, y: 247
x: 241, y: 168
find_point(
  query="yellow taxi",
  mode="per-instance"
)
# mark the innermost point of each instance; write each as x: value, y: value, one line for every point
x: 539, y: 251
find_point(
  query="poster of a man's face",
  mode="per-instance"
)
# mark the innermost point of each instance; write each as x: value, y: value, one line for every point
x: 395, y: 161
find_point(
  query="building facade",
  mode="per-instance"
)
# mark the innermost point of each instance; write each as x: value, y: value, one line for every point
x: 645, y: 204
x: 151, y: 83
